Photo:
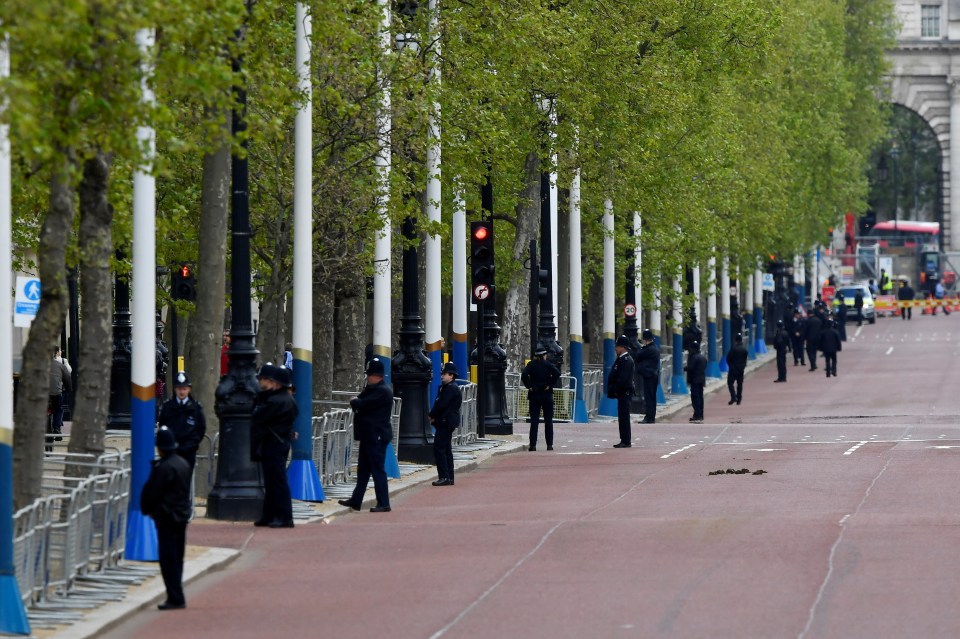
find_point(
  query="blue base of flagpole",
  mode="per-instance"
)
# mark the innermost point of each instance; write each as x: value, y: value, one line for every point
x: 760, y: 347
x: 608, y: 407
x: 391, y: 465
x: 141, y: 538
x: 722, y: 365
x: 713, y: 369
x: 580, y: 415
x: 304, y: 480
x: 678, y: 385
x: 661, y: 398
x: 13, y: 617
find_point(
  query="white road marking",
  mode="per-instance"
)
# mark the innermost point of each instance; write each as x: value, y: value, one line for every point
x: 764, y: 450
x: 584, y: 452
x: 679, y: 450
x: 890, y: 350
x: 943, y: 447
x: 854, y: 448
x: 857, y: 334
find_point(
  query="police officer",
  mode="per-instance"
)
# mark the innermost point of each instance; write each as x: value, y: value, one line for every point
x: 620, y: 388
x: 274, y: 411
x: 183, y: 415
x: 696, y: 369
x: 648, y: 363
x: 736, y: 365
x: 858, y: 305
x: 906, y: 294
x: 841, y: 317
x: 830, y: 344
x: 445, y: 417
x: 371, y: 427
x: 797, y: 331
x: 166, y: 499
x: 811, y: 335
x: 781, y: 342
x: 539, y: 377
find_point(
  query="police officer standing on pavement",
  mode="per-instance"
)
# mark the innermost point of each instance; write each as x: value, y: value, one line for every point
x: 736, y: 365
x: 781, y: 342
x: 797, y: 331
x: 696, y: 369
x: 539, y: 377
x: 620, y: 388
x: 183, y: 415
x: 445, y: 417
x: 371, y: 427
x: 830, y: 344
x: 166, y: 499
x: 648, y: 363
x: 811, y: 334
x: 274, y: 411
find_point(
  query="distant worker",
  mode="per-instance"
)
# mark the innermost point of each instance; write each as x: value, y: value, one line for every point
x: 830, y: 344
x: 696, y: 369
x: 906, y: 294
x: 648, y: 365
x: 858, y: 305
x: 797, y: 332
x: 288, y: 356
x: 445, y: 417
x: 736, y: 366
x: 940, y: 293
x: 874, y: 289
x: 60, y: 383
x: 811, y: 337
x: 620, y: 388
x: 540, y: 377
x: 165, y: 498
x: 781, y: 343
x: 183, y: 415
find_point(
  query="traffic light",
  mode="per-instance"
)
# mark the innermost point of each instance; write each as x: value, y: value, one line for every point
x: 481, y: 258
x: 184, y: 284
x: 543, y: 283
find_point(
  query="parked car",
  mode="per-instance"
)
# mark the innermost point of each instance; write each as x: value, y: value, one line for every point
x: 849, y: 294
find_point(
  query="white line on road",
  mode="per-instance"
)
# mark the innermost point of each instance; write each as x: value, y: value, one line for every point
x: 854, y: 448
x: 889, y: 350
x: 584, y: 452
x: 765, y: 450
x: 679, y: 450
x: 943, y: 447
x: 857, y: 334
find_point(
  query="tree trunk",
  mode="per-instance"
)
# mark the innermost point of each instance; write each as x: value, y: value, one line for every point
x: 34, y: 389
x: 515, y: 320
x: 350, y: 323
x: 205, y: 339
x: 270, y: 332
x: 322, y: 337
x: 96, y: 290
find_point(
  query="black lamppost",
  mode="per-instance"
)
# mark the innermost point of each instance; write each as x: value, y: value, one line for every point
x: 630, y: 327
x: 237, y: 494
x: 120, y: 369
x: 547, y: 326
x: 894, y: 154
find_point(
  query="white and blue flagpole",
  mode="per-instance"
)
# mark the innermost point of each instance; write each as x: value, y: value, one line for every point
x: 608, y: 406
x: 432, y: 300
x: 760, y: 342
x: 302, y: 474
x: 725, y: 312
x: 459, y: 315
x: 381, y: 250
x: 13, y: 616
x: 713, y: 361
x: 576, y: 302
x: 141, y: 539
x: 656, y: 323
x: 678, y: 385
x: 800, y: 280
x: 748, y: 328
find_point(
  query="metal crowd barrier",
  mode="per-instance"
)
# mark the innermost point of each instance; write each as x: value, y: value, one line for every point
x: 333, y: 445
x: 467, y: 432
x: 592, y: 388
x: 69, y: 542
x: 564, y: 397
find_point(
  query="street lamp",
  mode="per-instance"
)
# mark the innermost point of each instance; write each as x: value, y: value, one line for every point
x: 894, y: 154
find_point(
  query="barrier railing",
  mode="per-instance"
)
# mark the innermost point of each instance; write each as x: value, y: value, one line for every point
x: 467, y: 432
x: 592, y: 388
x: 564, y: 397
x: 333, y: 445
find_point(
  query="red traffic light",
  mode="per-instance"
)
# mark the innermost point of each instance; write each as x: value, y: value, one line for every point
x: 480, y: 233
x: 184, y: 271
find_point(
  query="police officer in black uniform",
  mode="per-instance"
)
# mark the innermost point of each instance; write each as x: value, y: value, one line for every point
x: 696, y: 369
x: 830, y: 344
x: 445, y: 417
x: 274, y: 411
x: 736, y: 365
x: 781, y: 342
x: 620, y: 388
x: 797, y: 331
x: 371, y: 427
x: 183, y: 415
x: 648, y: 363
x: 166, y: 499
x: 811, y: 334
x: 539, y: 377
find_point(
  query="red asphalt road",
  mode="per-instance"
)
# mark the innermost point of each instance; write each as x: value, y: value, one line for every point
x: 853, y: 531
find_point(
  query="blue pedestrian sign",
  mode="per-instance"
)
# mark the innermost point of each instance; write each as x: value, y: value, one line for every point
x: 26, y: 301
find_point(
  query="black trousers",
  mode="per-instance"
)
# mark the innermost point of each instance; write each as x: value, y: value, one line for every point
x: 812, y: 356
x: 370, y: 463
x: 735, y: 378
x: 842, y: 329
x: 782, y: 365
x: 541, y: 400
x: 830, y: 362
x: 650, y: 398
x: 797, y: 350
x: 906, y: 313
x: 277, y: 504
x: 623, y: 419
x: 859, y: 317
x: 171, y: 542
x: 696, y: 398
x: 443, y: 452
